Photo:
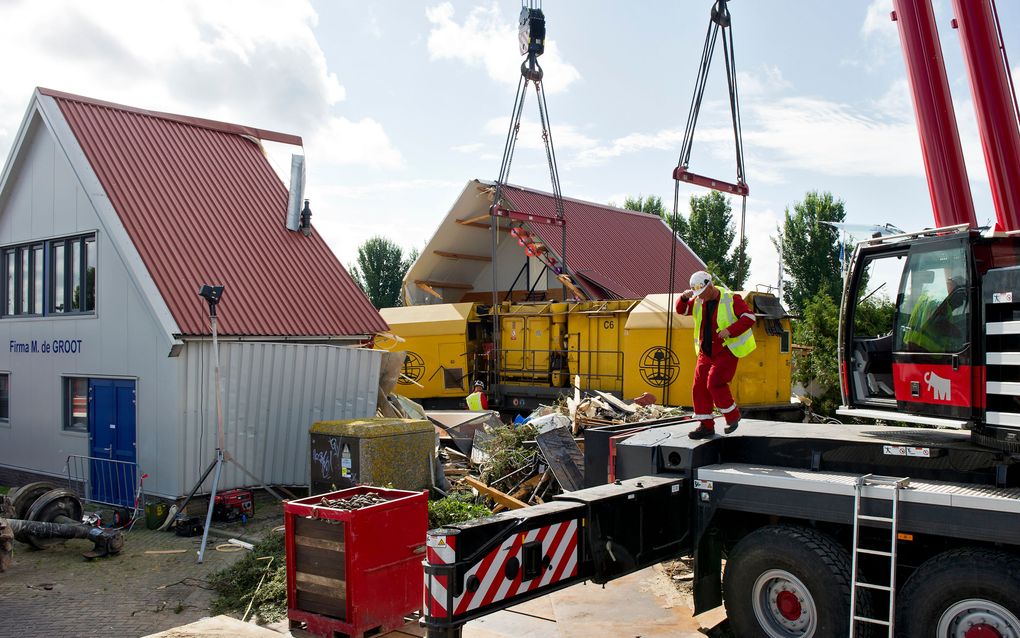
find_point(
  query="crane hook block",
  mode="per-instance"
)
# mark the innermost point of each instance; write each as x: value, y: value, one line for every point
x: 531, y: 31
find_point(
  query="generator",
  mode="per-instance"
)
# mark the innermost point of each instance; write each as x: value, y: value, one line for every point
x: 234, y: 505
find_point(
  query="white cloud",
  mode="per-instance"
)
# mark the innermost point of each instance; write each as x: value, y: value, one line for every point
x: 469, y: 148
x: 486, y: 38
x: 665, y: 139
x: 833, y: 138
x: 345, y: 142
x: 565, y: 136
x: 766, y: 79
x: 375, y: 189
x: 877, y: 21
x: 252, y: 62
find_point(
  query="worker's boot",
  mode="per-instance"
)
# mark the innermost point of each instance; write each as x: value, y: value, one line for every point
x: 732, y: 427
x: 702, y: 432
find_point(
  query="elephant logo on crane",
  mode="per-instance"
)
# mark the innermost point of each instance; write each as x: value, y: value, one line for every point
x: 941, y: 389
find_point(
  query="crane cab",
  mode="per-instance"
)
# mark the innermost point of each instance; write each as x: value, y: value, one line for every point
x: 949, y: 353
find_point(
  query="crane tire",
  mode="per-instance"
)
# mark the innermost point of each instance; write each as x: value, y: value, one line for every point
x: 960, y: 589
x: 784, y: 581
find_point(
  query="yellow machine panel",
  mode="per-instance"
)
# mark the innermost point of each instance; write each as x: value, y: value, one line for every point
x: 614, y: 346
x: 595, y: 348
x: 526, y: 343
x: 439, y: 352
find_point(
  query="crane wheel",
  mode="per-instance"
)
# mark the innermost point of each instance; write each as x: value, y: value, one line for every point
x: 970, y: 592
x: 784, y: 581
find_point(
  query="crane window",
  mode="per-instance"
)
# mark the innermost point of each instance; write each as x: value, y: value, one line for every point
x: 934, y: 304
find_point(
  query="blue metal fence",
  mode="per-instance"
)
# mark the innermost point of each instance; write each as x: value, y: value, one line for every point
x: 104, y: 481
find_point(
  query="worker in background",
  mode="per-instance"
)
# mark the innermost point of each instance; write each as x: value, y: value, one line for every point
x: 722, y: 335
x: 477, y: 399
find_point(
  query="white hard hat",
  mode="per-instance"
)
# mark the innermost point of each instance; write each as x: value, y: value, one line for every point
x: 699, y: 281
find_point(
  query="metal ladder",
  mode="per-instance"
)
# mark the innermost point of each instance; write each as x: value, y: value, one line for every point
x: 863, y: 483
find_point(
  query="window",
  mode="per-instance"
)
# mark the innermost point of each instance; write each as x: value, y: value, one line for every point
x: 933, y: 311
x: 73, y: 267
x: 76, y: 404
x: 5, y: 398
x: 56, y: 277
x: 23, y: 280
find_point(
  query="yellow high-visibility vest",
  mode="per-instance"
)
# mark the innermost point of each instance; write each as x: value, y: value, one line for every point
x: 741, y: 345
x: 474, y: 401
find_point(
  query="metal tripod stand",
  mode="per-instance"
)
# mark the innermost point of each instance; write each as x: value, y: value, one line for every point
x: 212, y: 295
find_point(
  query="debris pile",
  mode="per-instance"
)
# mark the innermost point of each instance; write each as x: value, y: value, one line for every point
x: 355, y: 502
x: 486, y: 462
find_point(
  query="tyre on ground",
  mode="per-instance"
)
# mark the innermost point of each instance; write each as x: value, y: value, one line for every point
x: 962, y: 593
x: 784, y: 581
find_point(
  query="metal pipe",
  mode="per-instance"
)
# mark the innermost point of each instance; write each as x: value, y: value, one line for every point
x: 993, y: 102
x: 936, y: 119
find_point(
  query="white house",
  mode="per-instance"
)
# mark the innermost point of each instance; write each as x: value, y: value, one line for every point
x: 111, y: 218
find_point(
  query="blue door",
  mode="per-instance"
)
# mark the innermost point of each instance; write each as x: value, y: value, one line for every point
x: 112, y: 472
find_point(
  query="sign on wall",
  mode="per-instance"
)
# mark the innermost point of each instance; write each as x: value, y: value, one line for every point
x: 54, y: 346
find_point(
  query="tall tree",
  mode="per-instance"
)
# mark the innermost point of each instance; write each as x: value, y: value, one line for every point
x: 810, y: 249
x: 381, y: 269
x: 709, y: 231
x: 652, y: 205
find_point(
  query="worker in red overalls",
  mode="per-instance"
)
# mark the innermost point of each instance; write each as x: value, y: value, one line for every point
x: 722, y: 335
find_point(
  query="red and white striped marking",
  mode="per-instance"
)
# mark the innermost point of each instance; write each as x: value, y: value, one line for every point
x: 559, y: 543
x: 440, y: 550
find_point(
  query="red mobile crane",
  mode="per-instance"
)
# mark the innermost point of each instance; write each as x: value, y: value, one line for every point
x: 827, y: 530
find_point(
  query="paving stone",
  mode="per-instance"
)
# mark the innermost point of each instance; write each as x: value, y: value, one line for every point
x: 57, y: 593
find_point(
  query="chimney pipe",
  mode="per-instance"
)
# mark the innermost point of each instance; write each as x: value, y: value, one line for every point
x: 306, y: 220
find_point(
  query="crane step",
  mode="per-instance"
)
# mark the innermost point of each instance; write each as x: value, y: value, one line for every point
x: 880, y: 519
x: 874, y: 552
x: 872, y: 620
x: 871, y: 586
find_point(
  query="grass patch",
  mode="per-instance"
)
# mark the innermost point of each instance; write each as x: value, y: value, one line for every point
x: 453, y: 509
x: 236, y: 584
x: 4, y: 490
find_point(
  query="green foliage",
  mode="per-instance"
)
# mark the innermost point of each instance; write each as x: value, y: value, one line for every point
x: 236, y: 584
x: 818, y: 330
x: 710, y: 233
x: 508, y: 453
x: 381, y: 269
x: 817, y: 365
x: 810, y: 249
x: 454, y: 509
x: 651, y: 205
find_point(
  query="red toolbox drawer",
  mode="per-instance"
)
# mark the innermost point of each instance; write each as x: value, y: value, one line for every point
x: 355, y: 571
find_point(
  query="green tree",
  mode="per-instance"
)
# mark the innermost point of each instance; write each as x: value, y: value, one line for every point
x: 709, y: 231
x: 810, y: 249
x: 815, y: 364
x: 653, y: 206
x: 381, y: 269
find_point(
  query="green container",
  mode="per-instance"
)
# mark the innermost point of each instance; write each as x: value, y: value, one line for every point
x: 155, y: 514
x: 384, y: 452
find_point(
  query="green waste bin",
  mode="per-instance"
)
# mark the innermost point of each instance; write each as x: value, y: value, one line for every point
x: 384, y: 452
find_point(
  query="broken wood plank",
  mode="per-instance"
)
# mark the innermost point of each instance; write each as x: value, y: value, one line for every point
x: 429, y: 290
x: 449, y: 255
x: 476, y: 219
x: 622, y: 406
x: 497, y: 496
x: 442, y: 284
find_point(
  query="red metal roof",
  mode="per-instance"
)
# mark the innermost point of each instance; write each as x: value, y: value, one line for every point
x: 202, y: 205
x: 610, y: 250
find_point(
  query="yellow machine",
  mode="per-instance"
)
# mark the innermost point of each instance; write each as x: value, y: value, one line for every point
x: 616, y: 346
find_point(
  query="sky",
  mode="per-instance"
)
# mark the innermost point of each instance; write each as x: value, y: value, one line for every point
x: 400, y: 103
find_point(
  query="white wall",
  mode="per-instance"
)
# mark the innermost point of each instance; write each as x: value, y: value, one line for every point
x: 272, y: 394
x: 47, y: 200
